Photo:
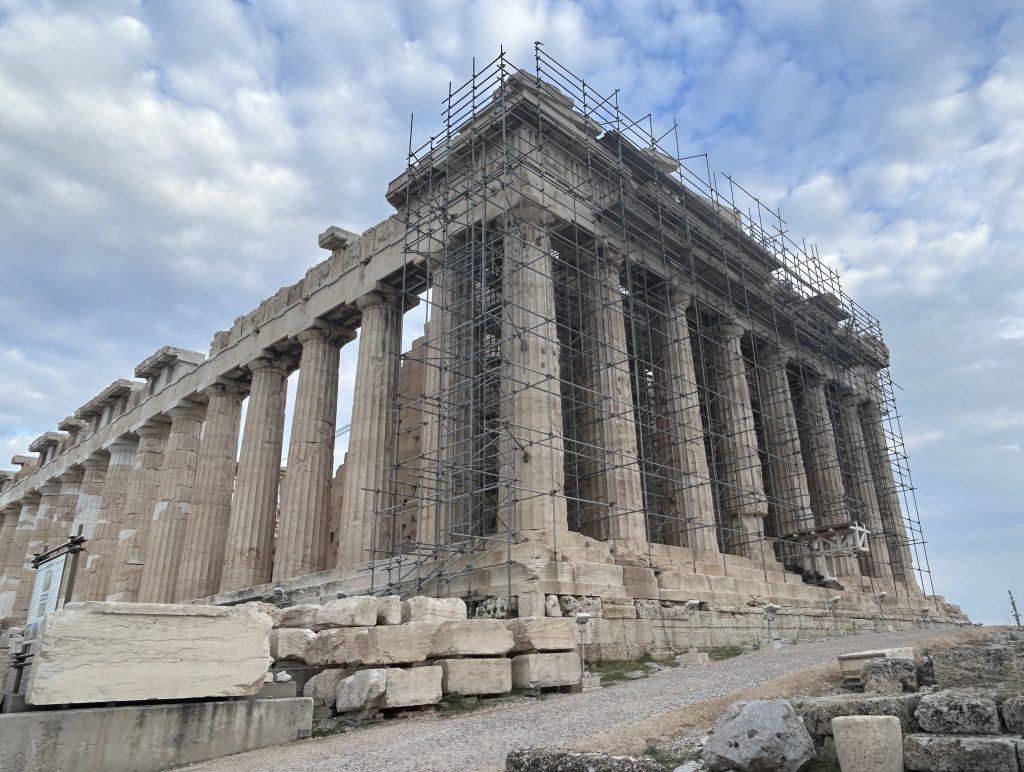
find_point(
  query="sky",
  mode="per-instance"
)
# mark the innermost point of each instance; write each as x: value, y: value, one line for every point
x: 164, y: 166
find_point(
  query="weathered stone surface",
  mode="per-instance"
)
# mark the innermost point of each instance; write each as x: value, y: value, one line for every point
x: 389, y: 610
x: 851, y: 665
x: 538, y: 671
x: 471, y: 637
x: 493, y: 608
x: 551, y: 606
x: 818, y: 712
x: 537, y: 760
x: 476, y: 676
x: 618, y: 608
x: 976, y: 666
x: 413, y: 686
x: 103, y: 652
x: 358, y: 611
x: 361, y: 690
x: 323, y: 687
x: 868, y: 743
x: 424, y: 609
x: 531, y: 604
x: 383, y: 645
x: 543, y: 634
x: 290, y: 643
x: 955, y: 712
x: 337, y: 646
x: 276, y: 614
x: 303, y: 616
x: 1013, y: 714
x: 889, y: 676
x: 759, y: 735
x: 959, y: 753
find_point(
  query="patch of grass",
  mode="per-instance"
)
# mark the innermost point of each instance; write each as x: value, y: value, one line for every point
x: 457, y: 705
x: 669, y: 758
x: 327, y: 727
x: 613, y: 671
x: 718, y: 653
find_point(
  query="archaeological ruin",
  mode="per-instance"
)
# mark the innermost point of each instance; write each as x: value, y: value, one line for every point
x: 636, y: 395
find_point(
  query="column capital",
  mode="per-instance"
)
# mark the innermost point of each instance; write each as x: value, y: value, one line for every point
x: 776, y: 353
x: 680, y: 296
x: 154, y: 427
x: 187, y: 409
x: 122, y: 445
x: 50, y: 488
x: 226, y: 387
x: 849, y: 398
x: 31, y: 499
x: 376, y: 297
x: 813, y: 379
x: 71, y: 476
x: 327, y: 332
x: 97, y: 460
x: 269, y: 361
x: 730, y: 328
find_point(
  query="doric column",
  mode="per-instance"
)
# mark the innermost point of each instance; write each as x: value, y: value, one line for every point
x: 87, y: 508
x: 19, y: 550
x: 372, y: 425
x: 900, y: 559
x: 532, y: 448
x: 10, y: 562
x: 821, y: 460
x: 861, y: 486
x: 67, y: 503
x: 429, y: 521
x: 690, y: 496
x: 140, y: 498
x: 787, y: 478
x: 166, y: 538
x: 249, y: 549
x: 621, y: 486
x: 206, y: 530
x: 96, y: 574
x: 304, y: 530
x: 742, y: 498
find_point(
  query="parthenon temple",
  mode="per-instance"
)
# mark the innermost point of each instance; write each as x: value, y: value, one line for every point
x: 631, y: 384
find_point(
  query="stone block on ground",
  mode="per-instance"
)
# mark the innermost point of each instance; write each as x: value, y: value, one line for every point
x: 336, y: 646
x: 476, y: 676
x: 403, y: 644
x: 425, y: 609
x: 389, y: 610
x: 113, y: 652
x: 759, y: 735
x: 303, y: 615
x: 275, y: 613
x: 972, y: 666
x: 956, y: 712
x: 818, y: 712
x: 471, y: 637
x: 538, y: 760
x: 531, y: 604
x: 407, y: 687
x: 323, y: 687
x: 358, y: 611
x: 959, y: 753
x: 290, y: 643
x: 362, y: 690
x: 868, y: 743
x: 539, y: 671
x: 618, y: 608
x: 543, y: 634
x: 1013, y: 715
x: 889, y: 676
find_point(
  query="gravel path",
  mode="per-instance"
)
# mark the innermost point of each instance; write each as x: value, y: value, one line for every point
x: 480, y: 740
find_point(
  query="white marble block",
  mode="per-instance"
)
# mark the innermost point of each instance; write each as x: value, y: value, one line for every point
x: 476, y: 676
x: 360, y: 611
x: 543, y: 633
x: 536, y: 671
x: 424, y: 609
x: 471, y: 637
x: 413, y: 686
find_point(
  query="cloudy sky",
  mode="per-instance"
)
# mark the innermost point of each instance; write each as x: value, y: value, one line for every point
x: 166, y: 165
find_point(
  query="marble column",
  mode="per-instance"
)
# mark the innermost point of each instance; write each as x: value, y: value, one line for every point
x: 532, y: 447
x: 887, y: 493
x: 621, y: 485
x: 67, y: 503
x: 304, y: 531
x: 821, y: 460
x: 742, y: 498
x: 97, y: 573
x: 690, y: 496
x: 206, y: 530
x: 370, y: 437
x: 430, y: 521
x: 19, y: 551
x: 10, y: 563
x: 787, y: 478
x: 248, y: 553
x: 87, y: 508
x: 861, y: 486
x: 166, y: 538
x: 140, y: 498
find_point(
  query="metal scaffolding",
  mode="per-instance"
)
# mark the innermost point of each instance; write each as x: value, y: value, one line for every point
x: 535, y: 179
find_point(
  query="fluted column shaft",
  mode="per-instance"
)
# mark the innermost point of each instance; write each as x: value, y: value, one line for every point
x: 370, y: 437
x: 690, y: 495
x: 10, y: 563
x: 821, y: 460
x: 622, y: 488
x: 304, y: 530
x: 206, y: 530
x: 250, y: 543
x: 532, y: 447
x: 23, y: 538
x: 429, y: 521
x: 887, y: 493
x: 861, y: 486
x: 787, y: 478
x: 67, y: 503
x: 140, y: 498
x: 742, y: 498
x: 166, y: 538
x: 94, y: 581
x: 87, y: 508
